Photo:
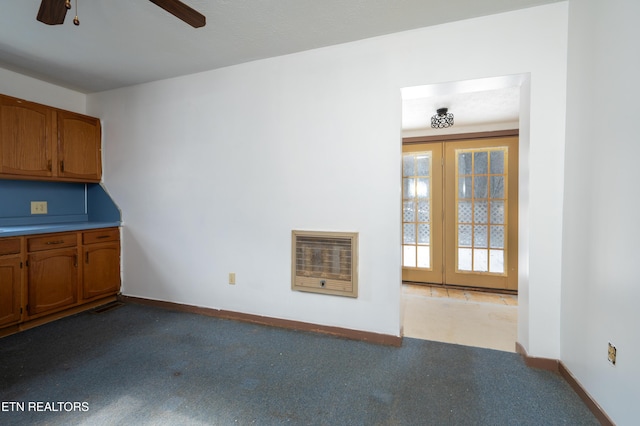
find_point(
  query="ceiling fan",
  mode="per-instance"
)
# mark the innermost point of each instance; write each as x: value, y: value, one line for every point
x: 53, y: 12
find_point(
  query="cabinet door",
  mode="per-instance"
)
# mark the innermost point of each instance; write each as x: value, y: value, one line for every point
x: 26, y: 143
x: 79, y: 155
x: 52, y: 279
x: 10, y: 293
x: 101, y: 270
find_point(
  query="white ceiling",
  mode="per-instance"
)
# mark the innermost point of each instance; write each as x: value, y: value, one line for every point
x: 486, y: 104
x: 125, y: 42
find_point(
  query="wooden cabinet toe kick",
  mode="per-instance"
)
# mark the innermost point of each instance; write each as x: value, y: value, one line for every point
x: 6, y: 331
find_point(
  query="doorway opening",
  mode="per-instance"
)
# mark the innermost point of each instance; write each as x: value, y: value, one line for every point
x: 460, y: 209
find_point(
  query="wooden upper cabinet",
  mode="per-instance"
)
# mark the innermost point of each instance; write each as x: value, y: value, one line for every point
x: 26, y: 143
x: 79, y: 147
x: 45, y: 143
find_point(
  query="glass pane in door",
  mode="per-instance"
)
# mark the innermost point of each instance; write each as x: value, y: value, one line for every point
x: 416, y: 209
x: 481, y: 176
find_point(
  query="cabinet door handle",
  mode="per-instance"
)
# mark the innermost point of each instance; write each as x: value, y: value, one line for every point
x: 62, y: 166
x: 102, y: 236
x: 86, y: 257
x: 49, y: 165
x: 75, y: 260
x: 55, y: 242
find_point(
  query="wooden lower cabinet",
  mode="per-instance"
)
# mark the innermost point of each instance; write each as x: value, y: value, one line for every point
x: 45, y: 277
x: 10, y: 290
x: 52, y: 280
x: 101, y: 269
x: 10, y: 281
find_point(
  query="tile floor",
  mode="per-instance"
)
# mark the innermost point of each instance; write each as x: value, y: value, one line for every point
x: 472, y: 318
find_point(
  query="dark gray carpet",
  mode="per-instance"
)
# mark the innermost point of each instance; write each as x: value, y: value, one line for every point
x: 142, y: 365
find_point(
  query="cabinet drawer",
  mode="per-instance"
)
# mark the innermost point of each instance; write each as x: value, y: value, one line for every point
x: 52, y: 241
x: 101, y: 236
x: 9, y: 246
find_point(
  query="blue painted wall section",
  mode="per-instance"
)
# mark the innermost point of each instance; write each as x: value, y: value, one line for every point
x: 100, y: 206
x: 66, y: 202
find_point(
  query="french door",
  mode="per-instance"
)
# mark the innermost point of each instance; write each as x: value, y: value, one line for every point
x: 460, y: 213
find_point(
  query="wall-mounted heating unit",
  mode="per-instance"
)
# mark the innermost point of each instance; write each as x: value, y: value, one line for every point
x: 325, y: 262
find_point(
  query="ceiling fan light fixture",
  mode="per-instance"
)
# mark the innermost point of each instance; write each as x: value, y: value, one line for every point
x: 442, y: 119
x: 183, y: 12
x: 53, y: 12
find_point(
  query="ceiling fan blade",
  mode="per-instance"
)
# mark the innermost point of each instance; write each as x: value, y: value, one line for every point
x: 182, y: 11
x: 52, y: 12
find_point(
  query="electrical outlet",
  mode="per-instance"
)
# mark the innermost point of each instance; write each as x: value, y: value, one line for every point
x: 38, y: 207
x: 232, y: 278
x: 612, y: 354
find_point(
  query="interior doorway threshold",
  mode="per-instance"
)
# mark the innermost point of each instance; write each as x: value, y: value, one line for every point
x: 465, y: 317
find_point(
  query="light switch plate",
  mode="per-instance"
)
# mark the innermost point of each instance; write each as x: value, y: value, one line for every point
x: 38, y: 207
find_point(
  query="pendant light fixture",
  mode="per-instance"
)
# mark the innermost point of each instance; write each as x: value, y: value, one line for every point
x: 442, y: 119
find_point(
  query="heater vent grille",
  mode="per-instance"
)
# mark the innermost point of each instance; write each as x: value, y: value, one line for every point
x: 325, y: 262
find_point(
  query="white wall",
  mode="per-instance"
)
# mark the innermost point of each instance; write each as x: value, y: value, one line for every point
x: 600, y: 284
x: 213, y: 171
x: 31, y: 89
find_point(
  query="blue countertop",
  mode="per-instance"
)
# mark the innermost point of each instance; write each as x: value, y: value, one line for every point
x: 12, y: 231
